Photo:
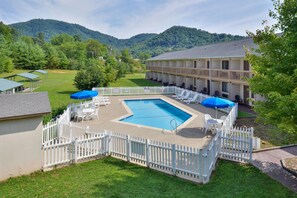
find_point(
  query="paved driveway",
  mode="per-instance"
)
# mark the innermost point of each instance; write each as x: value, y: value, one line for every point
x: 269, y: 162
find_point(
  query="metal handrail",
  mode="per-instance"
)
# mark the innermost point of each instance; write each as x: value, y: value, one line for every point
x: 174, y: 128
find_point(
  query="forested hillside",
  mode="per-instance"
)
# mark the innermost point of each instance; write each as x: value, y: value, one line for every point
x: 179, y: 37
x: 142, y: 45
x: 63, y: 51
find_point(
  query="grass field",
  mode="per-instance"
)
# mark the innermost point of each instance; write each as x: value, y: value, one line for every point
x: 110, y: 177
x: 59, y: 85
x: 134, y: 80
x: 243, y: 114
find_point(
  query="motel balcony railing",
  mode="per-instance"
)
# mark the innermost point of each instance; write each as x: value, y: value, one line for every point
x: 228, y: 75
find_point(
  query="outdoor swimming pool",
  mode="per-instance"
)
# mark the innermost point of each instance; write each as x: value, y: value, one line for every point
x: 155, y: 113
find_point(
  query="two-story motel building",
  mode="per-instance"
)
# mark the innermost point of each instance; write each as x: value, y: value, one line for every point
x: 218, y: 68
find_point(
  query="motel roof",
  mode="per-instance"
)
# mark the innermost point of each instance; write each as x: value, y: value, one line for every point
x: 24, y: 105
x: 231, y: 49
x: 41, y: 71
x: 8, y: 84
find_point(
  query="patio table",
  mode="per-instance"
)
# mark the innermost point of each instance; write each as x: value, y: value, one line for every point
x: 88, y: 112
x: 214, y: 124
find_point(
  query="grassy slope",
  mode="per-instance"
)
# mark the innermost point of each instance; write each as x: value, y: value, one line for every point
x: 134, y: 80
x: 110, y: 177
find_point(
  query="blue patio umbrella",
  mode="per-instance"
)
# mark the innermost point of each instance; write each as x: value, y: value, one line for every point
x: 85, y: 94
x: 217, y: 103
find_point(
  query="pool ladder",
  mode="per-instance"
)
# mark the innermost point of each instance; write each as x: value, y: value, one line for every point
x: 174, y: 127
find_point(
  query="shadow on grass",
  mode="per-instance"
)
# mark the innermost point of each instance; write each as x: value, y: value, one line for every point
x: 143, y: 82
x: 67, y: 92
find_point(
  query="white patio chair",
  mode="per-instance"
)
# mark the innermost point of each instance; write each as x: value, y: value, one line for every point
x: 192, y: 100
x: 79, y: 115
x: 95, y: 114
x: 179, y: 95
x: 206, y: 126
x: 185, y: 97
x: 223, y: 118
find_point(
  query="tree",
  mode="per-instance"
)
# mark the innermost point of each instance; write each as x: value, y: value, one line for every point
x: 27, y: 56
x: 91, y: 77
x: 39, y: 40
x: 6, y: 64
x: 274, y: 66
x: 6, y: 31
x: 95, y: 49
x: 61, y: 38
x: 52, y: 57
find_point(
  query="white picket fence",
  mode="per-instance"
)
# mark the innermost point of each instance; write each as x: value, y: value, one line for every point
x: 189, y: 163
x: 50, y: 131
x: 54, y: 128
x: 237, y: 144
x: 114, y: 91
x: 65, y: 151
x: 229, y: 122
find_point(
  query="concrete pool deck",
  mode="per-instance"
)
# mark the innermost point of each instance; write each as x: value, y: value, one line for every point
x: 190, y: 134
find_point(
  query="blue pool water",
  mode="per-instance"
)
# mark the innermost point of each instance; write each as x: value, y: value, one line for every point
x: 155, y: 113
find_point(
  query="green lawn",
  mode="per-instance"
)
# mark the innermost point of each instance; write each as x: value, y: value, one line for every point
x: 58, y: 84
x: 110, y: 177
x: 243, y: 114
x: 134, y: 80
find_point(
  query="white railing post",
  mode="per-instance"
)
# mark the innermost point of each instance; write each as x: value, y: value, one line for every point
x: 109, y: 143
x: 148, y: 153
x: 173, y: 157
x: 74, y: 143
x: 251, y: 149
x: 128, y: 147
x: 205, y: 166
x: 70, y: 130
x: 200, y: 165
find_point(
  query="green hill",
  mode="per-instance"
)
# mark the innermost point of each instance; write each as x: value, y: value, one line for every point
x: 178, y: 38
x: 174, y: 38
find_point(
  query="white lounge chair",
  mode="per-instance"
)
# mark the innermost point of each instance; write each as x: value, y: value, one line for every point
x: 100, y: 100
x: 185, y: 97
x: 104, y: 102
x: 179, y: 95
x: 192, y: 100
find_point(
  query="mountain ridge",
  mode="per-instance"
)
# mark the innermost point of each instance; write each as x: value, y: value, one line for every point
x: 174, y: 38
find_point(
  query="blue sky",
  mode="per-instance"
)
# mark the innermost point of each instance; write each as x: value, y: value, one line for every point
x: 126, y: 18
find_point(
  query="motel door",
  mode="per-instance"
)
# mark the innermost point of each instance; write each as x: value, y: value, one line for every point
x: 246, y: 94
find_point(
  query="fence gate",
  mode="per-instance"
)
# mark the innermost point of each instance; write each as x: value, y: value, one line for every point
x: 236, y: 144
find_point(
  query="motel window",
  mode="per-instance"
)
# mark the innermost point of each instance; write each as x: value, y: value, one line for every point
x: 225, y: 87
x: 207, y: 64
x: 225, y: 64
x: 195, y: 64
